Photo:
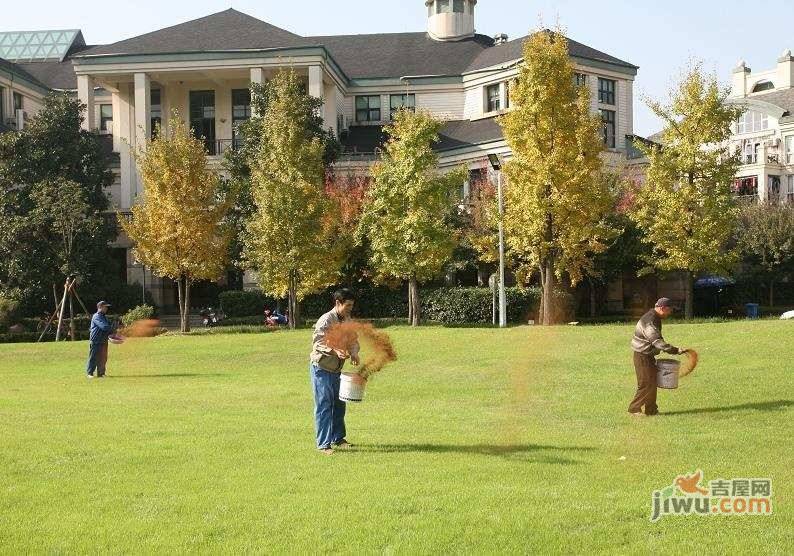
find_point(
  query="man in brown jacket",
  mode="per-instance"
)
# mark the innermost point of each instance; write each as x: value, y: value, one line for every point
x: 646, y: 344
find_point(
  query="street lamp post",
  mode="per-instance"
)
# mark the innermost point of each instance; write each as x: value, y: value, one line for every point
x: 496, y: 164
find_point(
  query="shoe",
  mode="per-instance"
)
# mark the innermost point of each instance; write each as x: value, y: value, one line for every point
x: 638, y: 414
x: 343, y: 444
x: 89, y: 376
x: 327, y: 451
x: 100, y: 376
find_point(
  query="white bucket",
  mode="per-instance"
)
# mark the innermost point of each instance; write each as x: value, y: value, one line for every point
x: 351, y: 388
x: 667, y: 375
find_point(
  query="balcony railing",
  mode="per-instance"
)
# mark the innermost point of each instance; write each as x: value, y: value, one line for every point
x: 219, y: 146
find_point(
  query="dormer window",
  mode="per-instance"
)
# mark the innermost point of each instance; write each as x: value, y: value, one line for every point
x: 442, y: 6
x: 493, y: 99
x: 764, y: 85
x: 459, y: 6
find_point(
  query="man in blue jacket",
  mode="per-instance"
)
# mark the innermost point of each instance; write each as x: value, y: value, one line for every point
x: 101, y: 329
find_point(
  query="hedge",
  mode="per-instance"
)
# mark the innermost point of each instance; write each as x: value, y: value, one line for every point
x: 475, y: 305
x: 32, y: 337
x: 245, y: 303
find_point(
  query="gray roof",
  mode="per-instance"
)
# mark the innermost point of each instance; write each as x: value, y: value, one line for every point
x: 20, y: 71
x: 226, y: 30
x: 359, y: 56
x: 514, y: 50
x: 54, y: 74
x: 783, y: 99
x: 401, y: 54
x: 454, y: 135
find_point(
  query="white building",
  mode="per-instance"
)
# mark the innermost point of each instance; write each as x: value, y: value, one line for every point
x: 765, y: 134
x: 203, y: 69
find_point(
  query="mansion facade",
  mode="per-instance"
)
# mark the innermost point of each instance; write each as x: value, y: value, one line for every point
x: 203, y: 69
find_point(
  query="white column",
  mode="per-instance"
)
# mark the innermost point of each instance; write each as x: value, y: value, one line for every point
x: 85, y: 92
x: 124, y: 128
x: 316, y: 81
x: 503, y: 95
x: 330, y: 108
x: 258, y: 77
x: 143, y: 113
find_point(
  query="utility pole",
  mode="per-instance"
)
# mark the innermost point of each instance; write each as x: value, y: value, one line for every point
x: 496, y: 164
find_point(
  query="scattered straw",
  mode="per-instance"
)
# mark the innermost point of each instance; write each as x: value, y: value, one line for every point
x: 377, y: 349
x: 689, y: 363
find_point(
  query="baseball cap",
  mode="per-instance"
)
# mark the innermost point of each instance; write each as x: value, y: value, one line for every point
x: 664, y: 302
x: 102, y: 304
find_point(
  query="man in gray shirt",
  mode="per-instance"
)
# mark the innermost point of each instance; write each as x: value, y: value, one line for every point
x: 646, y: 344
x: 325, y: 371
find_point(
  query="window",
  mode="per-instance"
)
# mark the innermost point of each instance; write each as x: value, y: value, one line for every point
x: 398, y: 102
x: 773, y: 189
x: 606, y: 91
x: 790, y: 189
x: 105, y: 117
x: 18, y: 102
x: 790, y: 149
x: 750, y: 151
x: 241, y: 112
x: 608, y: 119
x: 492, y: 98
x: 507, y: 94
x: 368, y: 109
x: 458, y: 6
x: 752, y: 121
x: 156, y: 110
x: 442, y: 6
x: 764, y: 85
x: 202, y: 118
x: 746, y: 186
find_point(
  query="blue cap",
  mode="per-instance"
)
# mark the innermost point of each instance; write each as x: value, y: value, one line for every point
x: 102, y: 304
x: 664, y: 302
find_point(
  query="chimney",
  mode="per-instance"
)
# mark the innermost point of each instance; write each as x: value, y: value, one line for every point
x: 740, y: 73
x: 785, y: 71
x: 501, y: 38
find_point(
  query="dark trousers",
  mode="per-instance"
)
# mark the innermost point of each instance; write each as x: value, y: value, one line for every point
x: 97, y: 359
x: 645, y: 367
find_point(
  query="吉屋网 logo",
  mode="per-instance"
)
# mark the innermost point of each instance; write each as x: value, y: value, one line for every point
x: 687, y: 496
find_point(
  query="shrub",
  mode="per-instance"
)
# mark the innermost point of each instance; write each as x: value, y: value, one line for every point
x: 244, y: 303
x: 474, y: 305
x: 8, y: 308
x: 141, y: 312
x: 372, y: 302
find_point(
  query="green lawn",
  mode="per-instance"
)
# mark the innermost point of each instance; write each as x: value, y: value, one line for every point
x: 476, y: 440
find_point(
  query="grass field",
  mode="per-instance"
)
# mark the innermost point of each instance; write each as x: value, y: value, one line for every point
x: 476, y: 440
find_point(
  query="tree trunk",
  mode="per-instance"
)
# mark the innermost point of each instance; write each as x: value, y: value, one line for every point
x: 186, y: 318
x: 292, y: 299
x: 593, y: 301
x: 690, y: 296
x: 410, y: 305
x: 549, y: 304
x: 180, y: 297
x: 71, y: 317
x: 413, y: 296
x: 541, y: 303
x: 771, y: 293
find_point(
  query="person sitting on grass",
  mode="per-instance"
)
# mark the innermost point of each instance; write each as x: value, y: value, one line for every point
x: 325, y: 370
x: 100, y: 332
x: 646, y: 344
x: 274, y: 318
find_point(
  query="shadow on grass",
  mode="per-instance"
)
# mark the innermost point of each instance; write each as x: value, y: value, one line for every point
x: 512, y: 451
x: 167, y: 375
x: 758, y: 406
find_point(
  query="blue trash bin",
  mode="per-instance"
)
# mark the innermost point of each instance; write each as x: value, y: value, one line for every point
x: 753, y: 311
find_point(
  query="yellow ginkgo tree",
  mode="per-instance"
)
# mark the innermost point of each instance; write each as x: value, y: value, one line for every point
x: 556, y: 198
x: 178, y: 228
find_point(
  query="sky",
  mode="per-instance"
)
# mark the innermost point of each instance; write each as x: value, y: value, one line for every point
x: 661, y: 37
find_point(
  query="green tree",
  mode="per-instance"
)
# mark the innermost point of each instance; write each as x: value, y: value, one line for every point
x: 556, y: 198
x: 686, y: 209
x: 52, y: 149
x: 766, y: 240
x: 179, y: 229
x: 288, y: 239
x: 406, y: 212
